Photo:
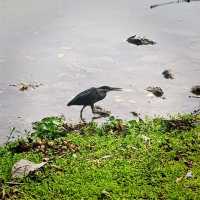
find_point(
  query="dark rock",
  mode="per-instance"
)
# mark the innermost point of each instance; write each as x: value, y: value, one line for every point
x: 140, y: 41
x: 196, y: 112
x: 157, y: 91
x: 135, y: 114
x: 195, y: 90
x: 167, y: 74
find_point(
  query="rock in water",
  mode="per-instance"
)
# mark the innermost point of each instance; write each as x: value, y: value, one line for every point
x: 140, y: 41
x: 157, y: 91
x: 195, y: 90
x: 167, y: 74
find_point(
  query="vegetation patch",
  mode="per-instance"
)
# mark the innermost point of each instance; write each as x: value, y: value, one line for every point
x: 146, y: 159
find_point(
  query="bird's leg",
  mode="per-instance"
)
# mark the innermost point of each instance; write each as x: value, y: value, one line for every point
x: 97, y: 117
x: 81, y: 114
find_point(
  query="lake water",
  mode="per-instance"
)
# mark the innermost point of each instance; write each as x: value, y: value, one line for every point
x: 69, y: 46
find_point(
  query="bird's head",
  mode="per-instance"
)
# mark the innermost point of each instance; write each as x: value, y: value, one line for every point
x: 108, y: 88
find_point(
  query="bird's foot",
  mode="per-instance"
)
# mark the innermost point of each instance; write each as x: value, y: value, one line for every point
x: 101, y: 111
x: 106, y: 113
x: 101, y: 115
x: 98, y: 108
x: 96, y: 117
x: 83, y: 120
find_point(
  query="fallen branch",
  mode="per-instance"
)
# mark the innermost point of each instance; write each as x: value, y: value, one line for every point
x: 10, y: 135
x: 193, y: 97
x: 171, y: 2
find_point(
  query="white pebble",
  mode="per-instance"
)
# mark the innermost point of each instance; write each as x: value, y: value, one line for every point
x: 189, y: 175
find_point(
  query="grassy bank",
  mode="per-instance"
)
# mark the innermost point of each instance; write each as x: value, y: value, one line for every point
x: 150, y: 159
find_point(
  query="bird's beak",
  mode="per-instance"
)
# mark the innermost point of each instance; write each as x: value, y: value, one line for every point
x: 115, y: 89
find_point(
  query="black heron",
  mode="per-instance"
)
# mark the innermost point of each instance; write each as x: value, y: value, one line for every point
x: 90, y: 97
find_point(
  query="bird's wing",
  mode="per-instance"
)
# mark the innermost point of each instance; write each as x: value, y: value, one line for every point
x: 84, y: 98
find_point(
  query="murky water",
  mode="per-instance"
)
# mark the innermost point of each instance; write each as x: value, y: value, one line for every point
x: 72, y: 45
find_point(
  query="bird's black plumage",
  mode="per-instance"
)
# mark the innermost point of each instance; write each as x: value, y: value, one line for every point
x: 87, y: 97
x: 90, y: 96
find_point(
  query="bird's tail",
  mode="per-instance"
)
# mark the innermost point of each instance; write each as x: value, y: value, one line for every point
x: 69, y: 104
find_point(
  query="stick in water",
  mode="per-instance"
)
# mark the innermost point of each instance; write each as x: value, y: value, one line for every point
x: 193, y: 97
x: 170, y: 2
x: 10, y: 135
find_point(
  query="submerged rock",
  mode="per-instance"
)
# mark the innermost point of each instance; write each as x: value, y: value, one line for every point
x: 25, y: 86
x: 195, y: 90
x: 140, y: 41
x: 157, y: 91
x: 167, y: 74
x: 170, y: 2
x: 135, y: 114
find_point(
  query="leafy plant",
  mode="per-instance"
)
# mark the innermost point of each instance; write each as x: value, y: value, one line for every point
x: 49, y: 128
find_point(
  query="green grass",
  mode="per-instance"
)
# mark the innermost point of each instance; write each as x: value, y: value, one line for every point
x: 117, y: 160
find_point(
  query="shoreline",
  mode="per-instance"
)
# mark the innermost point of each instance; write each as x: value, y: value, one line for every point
x: 150, y: 158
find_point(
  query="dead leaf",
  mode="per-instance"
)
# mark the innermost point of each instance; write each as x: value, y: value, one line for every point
x: 178, y: 179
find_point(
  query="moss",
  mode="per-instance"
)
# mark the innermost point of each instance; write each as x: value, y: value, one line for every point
x: 117, y: 160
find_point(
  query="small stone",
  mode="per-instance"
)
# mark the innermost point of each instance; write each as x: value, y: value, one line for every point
x: 135, y: 114
x: 189, y: 175
x: 42, y: 147
x: 167, y: 74
x: 157, y: 91
x: 39, y: 142
x: 23, y: 87
x: 50, y: 143
x: 195, y: 90
x: 65, y: 142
